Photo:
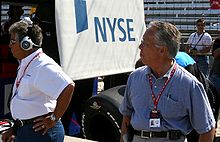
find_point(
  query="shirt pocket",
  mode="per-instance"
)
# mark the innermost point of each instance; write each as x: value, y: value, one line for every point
x: 172, y: 107
x: 24, y: 89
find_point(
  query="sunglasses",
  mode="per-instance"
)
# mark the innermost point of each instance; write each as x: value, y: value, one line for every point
x: 12, y: 41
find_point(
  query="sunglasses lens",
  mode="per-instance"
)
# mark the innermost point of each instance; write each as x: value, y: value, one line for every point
x: 12, y: 41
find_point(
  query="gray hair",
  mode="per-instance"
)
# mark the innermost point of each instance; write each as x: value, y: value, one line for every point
x: 22, y: 29
x: 167, y: 35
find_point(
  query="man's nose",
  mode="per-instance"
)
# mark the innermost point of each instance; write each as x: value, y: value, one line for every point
x: 140, y: 46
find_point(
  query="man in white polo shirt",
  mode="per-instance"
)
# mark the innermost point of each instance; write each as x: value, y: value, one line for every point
x: 41, y: 92
x: 199, y: 44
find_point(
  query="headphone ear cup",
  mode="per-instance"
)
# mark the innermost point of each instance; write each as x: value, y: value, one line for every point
x: 26, y: 43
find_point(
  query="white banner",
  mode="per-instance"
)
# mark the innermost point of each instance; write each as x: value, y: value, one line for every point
x: 98, y: 37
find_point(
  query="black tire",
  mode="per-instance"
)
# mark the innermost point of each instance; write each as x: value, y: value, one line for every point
x: 101, y: 120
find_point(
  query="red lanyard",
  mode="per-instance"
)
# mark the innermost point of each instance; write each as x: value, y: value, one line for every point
x: 156, y: 100
x: 19, y: 80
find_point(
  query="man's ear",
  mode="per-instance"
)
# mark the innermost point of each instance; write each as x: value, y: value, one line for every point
x: 163, y: 50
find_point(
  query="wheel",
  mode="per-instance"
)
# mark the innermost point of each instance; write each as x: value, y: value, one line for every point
x: 101, y: 118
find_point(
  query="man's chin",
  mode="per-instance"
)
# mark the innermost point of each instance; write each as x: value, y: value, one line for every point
x: 144, y: 62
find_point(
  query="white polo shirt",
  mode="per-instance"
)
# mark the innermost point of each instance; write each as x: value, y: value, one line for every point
x: 200, y: 41
x: 41, y: 84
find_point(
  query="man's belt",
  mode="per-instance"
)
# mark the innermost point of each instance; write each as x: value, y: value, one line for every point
x: 172, y: 135
x: 20, y: 123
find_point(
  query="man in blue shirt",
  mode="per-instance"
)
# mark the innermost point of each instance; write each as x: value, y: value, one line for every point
x: 163, y: 102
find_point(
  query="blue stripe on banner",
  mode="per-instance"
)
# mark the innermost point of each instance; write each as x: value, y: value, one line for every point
x: 81, y: 15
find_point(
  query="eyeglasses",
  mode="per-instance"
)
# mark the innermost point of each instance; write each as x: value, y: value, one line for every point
x: 142, y: 44
x: 12, y: 41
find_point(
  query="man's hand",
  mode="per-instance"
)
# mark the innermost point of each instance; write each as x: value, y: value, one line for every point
x: 187, y: 48
x: 43, y: 124
x: 207, y: 137
x: 193, y: 51
x: 124, y: 128
x: 8, y: 136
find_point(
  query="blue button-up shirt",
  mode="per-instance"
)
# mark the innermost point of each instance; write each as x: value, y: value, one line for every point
x: 183, y: 105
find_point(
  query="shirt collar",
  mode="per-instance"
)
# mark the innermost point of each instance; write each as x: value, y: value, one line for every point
x: 167, y: 75
x: 198, y: 35
x: 170, y: 70
x: 27, y: 59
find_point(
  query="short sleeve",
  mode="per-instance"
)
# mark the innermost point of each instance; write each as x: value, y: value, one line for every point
x: 51, y: 80
x: 200, y: 113
x: 126, y: 106
x: 208, y: 39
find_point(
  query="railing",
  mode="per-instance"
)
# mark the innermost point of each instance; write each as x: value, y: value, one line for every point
x: 183, y: 6
x: 175, y: 1
x: 190, y: 12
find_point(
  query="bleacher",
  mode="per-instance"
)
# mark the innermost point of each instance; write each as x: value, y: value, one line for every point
x: 5, y: 7
x: 184, y: 13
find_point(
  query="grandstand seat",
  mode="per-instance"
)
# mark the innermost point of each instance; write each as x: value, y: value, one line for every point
x: 183, y: 14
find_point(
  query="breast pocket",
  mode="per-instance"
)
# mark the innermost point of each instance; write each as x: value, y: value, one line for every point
x: 23, y: 88
x: 173, y: 107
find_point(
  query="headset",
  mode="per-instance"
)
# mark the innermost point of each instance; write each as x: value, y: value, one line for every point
x: 27, y: 44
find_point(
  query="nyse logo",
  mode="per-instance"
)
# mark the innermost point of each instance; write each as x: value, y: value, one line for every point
x: 120, y: 28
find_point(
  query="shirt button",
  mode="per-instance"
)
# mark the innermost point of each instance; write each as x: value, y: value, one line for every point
x: 155, y: 87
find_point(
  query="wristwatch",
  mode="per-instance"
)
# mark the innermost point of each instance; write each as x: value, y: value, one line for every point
x: 53, y: 117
